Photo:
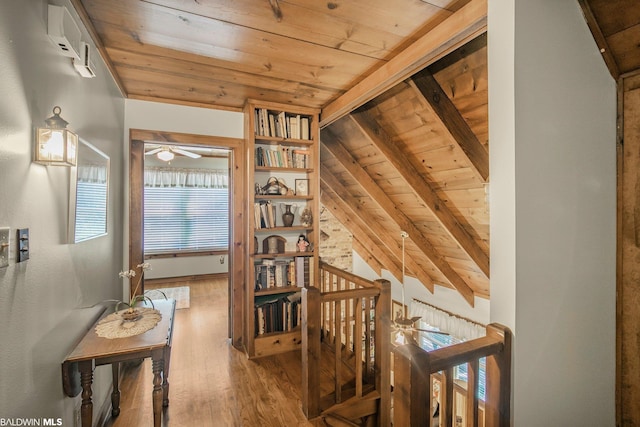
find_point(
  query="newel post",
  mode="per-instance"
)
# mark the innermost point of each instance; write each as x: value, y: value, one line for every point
x: 382, y: 363
x: 498, y: 387
x: 411, y: 386
x: 311, y: 300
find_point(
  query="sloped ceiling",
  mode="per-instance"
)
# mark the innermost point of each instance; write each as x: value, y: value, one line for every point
x: 403, y: 90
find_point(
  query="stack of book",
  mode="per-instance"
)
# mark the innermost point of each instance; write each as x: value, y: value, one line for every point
x: 281, y: 125
x: 264, y: 214
x: 277, y: 313
x: 274, y: 273
x: 282, y: 157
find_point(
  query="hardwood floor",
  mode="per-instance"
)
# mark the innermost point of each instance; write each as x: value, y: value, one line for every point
x: 211, y: 383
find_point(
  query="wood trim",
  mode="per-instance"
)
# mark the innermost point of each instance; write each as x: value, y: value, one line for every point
x: 136, y: 207
x: 178, y: 279
x: 399, y: 160
x: 430, y: 90
x: 600, y: 39
x: 462, y: 26
x: 346, y: 160
x: 84, y: 17
x: 619, y: 251
x: 186, y: 138
x: 237, y: 225
x: 185, y: 254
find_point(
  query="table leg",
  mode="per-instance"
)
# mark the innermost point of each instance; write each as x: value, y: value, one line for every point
x: 165, y: 376
x: 115, y: 395
x: 157, y: 368
x: 86, y: 379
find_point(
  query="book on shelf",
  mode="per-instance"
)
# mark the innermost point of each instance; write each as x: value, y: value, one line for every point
x: 282, y: 157
x: 277, y: 313
x: 281, y: 125
x: 264, y: 214
x: 270, y: 273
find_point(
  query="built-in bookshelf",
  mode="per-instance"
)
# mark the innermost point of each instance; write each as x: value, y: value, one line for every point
x: 282, y: 257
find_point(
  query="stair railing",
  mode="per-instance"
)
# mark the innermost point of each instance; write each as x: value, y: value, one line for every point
x: 350, y: 315
x: 413, y: 382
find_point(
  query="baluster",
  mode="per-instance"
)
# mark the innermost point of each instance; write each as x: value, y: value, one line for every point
x: 338, y: 351
x: 367, y: 341
x: 473, y: 368
x: 446, y: 398
x: 357, y: 339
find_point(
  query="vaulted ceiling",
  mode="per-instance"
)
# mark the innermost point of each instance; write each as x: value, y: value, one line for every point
x: 403, y: 90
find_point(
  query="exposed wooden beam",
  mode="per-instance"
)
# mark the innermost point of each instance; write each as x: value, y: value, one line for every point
x: 340, y: 210
x: 394, y: 155
x: 367, y: 256
x: 395, y: 214
x: 84, y: 17
x: 461, y: 27
x: 426, y: 85
x: 371, y: 226
x: 600, y: 39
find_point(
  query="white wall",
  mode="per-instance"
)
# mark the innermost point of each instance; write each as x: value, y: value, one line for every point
x: 41, y: 300
x: 443, y: 298
x: 176, y: 118
x: 552, y: 109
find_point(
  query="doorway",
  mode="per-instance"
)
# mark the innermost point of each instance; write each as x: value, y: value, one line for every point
x: 236, y: 163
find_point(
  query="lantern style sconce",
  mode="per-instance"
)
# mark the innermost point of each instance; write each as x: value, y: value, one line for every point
x: 55, y: 144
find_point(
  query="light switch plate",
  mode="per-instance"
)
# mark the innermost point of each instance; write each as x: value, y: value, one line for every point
x: 4, y: 246
x: 23, y: 244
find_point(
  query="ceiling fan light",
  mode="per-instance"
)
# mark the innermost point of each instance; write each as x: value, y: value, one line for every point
x: 165, y: 155
x: 399, y: 338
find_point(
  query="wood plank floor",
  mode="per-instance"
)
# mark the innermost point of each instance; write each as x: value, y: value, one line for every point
x: 211, y: 383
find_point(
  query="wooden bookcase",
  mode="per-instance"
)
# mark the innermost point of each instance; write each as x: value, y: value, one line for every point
x: 282, y: 148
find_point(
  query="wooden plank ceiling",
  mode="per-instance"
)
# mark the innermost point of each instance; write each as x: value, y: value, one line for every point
x: 403, y: 90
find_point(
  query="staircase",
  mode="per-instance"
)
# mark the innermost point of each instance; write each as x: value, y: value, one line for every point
x: 346, y: 363
x: 346, y: 335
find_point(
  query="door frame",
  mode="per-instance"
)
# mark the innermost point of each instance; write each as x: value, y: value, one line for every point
x: 237, y: 165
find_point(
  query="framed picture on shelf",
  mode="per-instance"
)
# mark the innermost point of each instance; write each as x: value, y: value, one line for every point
x: 397, y: 310
x: 302, y: 187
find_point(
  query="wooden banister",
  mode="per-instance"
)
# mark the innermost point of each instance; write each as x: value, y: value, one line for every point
x: 413, y: 390
x: 342, y: 314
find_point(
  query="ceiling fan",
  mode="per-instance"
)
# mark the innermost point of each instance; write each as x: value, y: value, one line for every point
x: 168, y: 152
x: 403, y: 326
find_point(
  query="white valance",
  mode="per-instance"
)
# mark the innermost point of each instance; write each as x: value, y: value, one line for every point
x: 173, y: 177
x: 457, y: 326
x: 92, y: 173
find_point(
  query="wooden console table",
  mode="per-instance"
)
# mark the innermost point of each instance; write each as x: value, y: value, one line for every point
x: 92, y: 351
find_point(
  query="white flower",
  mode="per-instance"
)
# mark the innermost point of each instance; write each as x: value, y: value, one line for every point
x: 127, y: 273
x: 144, y: 266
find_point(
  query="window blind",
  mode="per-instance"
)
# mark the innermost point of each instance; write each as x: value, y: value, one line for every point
x: 91, y: 209
x: 185, y: 219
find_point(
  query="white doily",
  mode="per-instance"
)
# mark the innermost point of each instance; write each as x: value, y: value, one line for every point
x: 114, y: 326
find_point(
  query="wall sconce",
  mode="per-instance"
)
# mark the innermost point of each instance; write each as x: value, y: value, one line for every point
x: 55, y: 144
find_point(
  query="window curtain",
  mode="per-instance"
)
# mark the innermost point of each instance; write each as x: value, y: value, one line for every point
x: 457, y: 326
x: 92, y: 173
x: 195, y: 178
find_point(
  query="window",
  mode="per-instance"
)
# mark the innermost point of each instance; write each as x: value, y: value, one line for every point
x: 431, y: 342
x: 185, y: 215
x: 91, y: 209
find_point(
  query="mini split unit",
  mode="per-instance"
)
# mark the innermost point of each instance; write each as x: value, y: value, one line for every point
x: 66, y: 36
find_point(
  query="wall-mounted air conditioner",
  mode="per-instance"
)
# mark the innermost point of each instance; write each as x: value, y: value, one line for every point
x: 84, y: 66
x: 63, y: 31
